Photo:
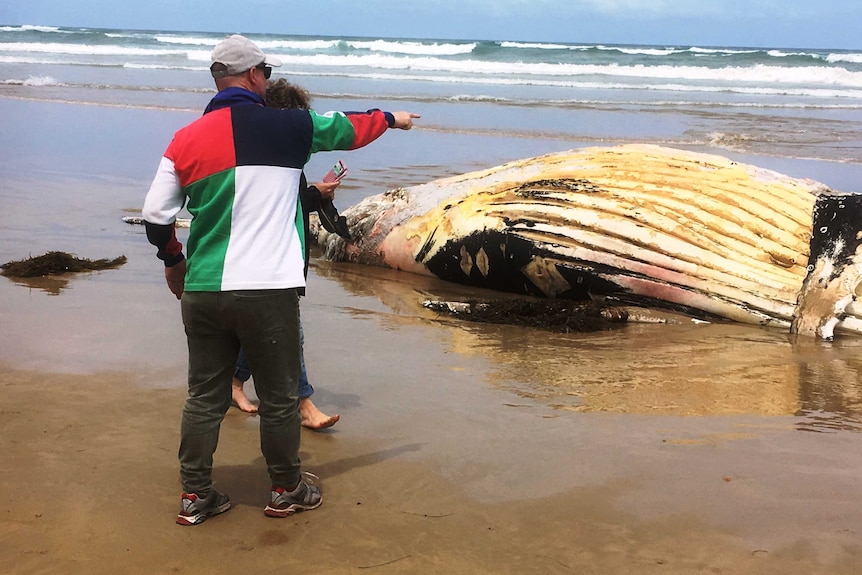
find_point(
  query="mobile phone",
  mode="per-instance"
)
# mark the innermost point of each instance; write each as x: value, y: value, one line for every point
x: 338, y: 171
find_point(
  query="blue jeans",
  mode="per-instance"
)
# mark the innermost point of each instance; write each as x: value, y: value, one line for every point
x: 243, y: 369
x: 266, y: 324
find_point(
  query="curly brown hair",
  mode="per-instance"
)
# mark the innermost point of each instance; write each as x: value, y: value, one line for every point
x: 282, y: 94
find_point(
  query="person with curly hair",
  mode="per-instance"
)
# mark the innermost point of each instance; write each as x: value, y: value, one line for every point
x: 282, y: 94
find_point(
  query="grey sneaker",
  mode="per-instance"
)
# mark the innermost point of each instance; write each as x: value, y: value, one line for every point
x: 195, y: 509
x: 283, y: 502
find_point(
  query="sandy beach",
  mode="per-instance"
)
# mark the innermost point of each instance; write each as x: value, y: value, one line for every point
x: 456, y: 453
x: 462, y: 448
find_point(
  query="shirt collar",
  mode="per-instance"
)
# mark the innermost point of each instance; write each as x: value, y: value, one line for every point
x: 233, y: 96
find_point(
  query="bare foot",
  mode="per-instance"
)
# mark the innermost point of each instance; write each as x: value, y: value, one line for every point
x: 313, y: 418
x: 240, y: 399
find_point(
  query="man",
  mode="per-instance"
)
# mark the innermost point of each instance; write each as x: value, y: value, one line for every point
x: 238, y: 168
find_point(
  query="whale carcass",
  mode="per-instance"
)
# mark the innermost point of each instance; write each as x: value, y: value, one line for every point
x: 636, y: 225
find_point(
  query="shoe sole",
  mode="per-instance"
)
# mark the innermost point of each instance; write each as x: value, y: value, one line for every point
x: 199, y: 518
x: 293, y: 508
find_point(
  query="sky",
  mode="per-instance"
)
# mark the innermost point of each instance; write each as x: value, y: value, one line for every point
x: 743, y: 23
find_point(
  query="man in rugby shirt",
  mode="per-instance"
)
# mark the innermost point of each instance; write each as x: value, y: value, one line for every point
x: 237, y: 169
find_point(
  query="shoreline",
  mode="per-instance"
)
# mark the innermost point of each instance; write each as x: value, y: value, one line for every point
x: 452, y: 121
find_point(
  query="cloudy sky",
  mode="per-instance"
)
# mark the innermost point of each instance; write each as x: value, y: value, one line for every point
x: 760, y: 23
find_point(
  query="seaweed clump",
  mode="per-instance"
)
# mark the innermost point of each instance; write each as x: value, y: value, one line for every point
x: 560, y: 316
x: 55, y: 263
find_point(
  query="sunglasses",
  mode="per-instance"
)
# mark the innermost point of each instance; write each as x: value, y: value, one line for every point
x: 267, y: 71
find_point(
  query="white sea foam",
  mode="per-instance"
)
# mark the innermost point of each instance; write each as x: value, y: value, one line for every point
x: 33, y: 81
x: 538, y: 46
x: 187, y: 40
x: 477, y: 98
x: 758, y: 74
x: 41, y: 81
x: 782, y: 54
x: 728, y: 51
x: 852, y: 58
x: 138, y: 66
x: 302, y: 45
x: 84, y: 49
x: 25, y: 60
x: 415, y: 48
x: 29, y: 27
x: 485, y: 80
x: 642, y: 51
x: 730, y: 141
x: 631, y: 50
x: 199, y: 56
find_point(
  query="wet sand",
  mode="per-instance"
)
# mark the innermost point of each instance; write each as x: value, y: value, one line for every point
x: 462, y: 448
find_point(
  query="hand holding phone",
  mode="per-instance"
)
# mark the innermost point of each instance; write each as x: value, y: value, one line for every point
x: 338, y: 171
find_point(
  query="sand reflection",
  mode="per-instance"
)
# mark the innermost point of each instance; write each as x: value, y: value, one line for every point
x: 51, y: 285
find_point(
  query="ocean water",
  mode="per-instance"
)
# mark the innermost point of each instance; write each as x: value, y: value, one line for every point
x: 794, y: 104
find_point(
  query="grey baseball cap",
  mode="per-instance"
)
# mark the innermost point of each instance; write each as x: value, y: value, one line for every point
x: 236, y: 54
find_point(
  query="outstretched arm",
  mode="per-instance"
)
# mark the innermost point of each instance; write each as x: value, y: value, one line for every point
x: 352, y: 130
